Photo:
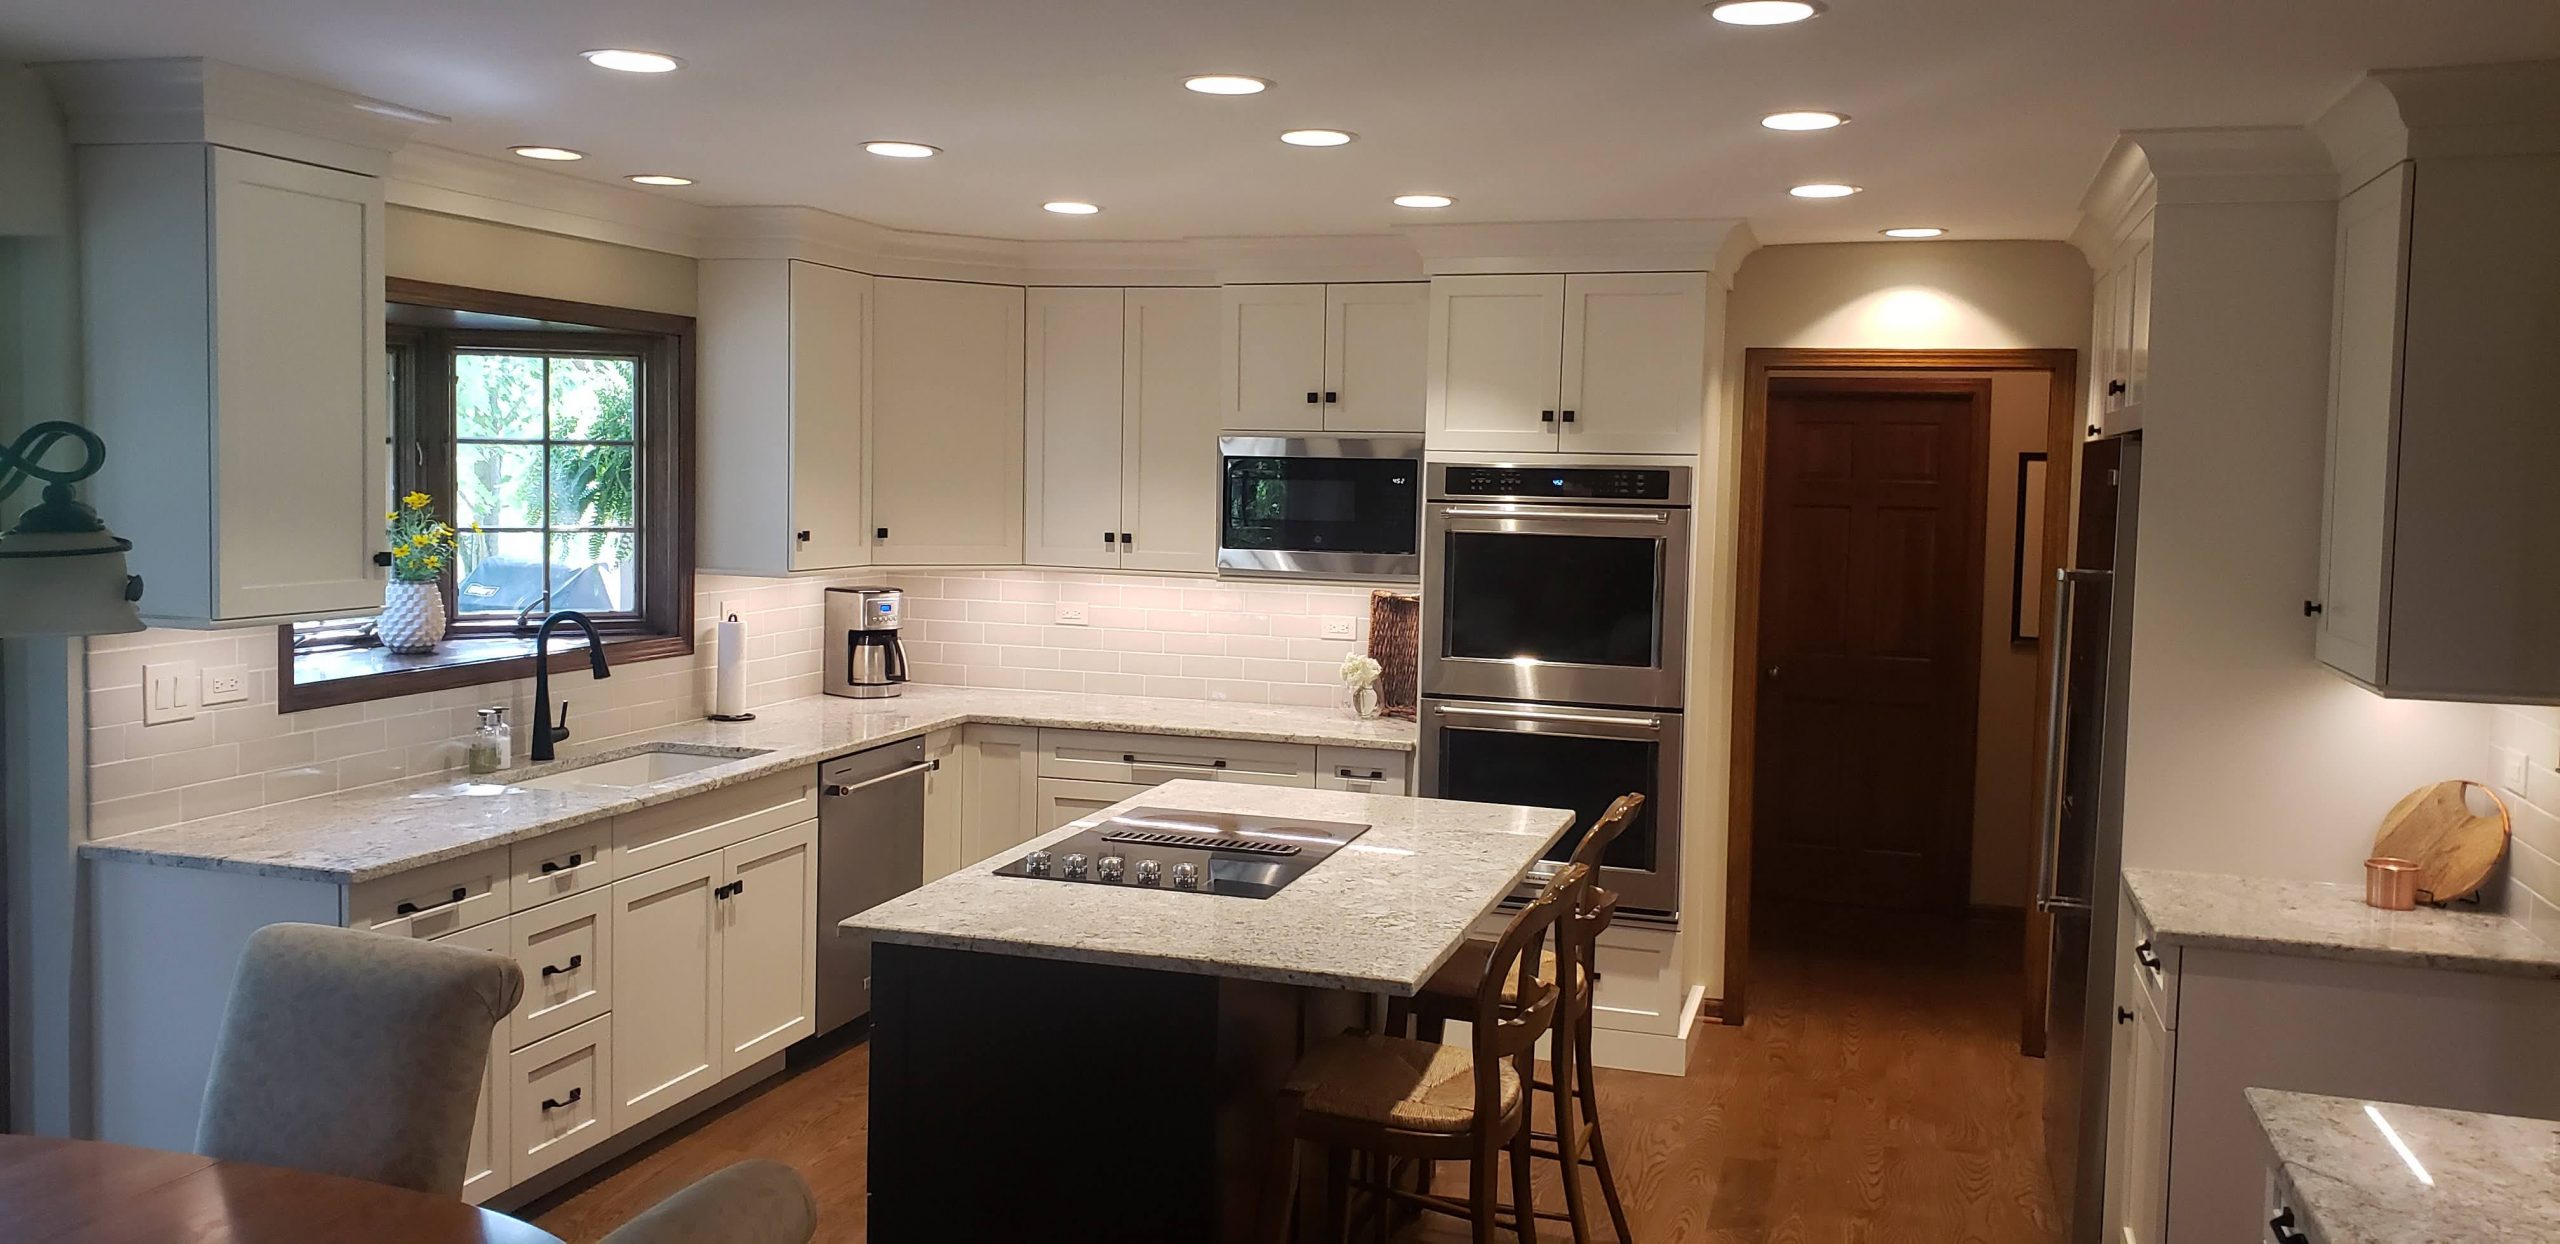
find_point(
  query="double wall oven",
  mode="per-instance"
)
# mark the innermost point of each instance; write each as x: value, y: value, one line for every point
x: 1554, y: 650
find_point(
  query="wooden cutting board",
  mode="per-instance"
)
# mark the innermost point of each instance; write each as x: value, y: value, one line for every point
x: 2454, y: 848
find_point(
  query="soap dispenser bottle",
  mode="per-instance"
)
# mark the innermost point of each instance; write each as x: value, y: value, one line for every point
x: 491, y: 744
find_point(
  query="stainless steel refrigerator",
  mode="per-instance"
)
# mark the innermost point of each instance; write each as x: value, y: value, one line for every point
x: 2081, y: 851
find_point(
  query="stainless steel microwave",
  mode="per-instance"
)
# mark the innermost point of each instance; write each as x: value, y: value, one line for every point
x: 1325, y: 507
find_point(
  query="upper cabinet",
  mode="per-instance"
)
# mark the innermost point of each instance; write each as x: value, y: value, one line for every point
x: 1322, y: 358
x: 1596, y: 363
x: 2442, y: 449
x: 782, y: 350
x: 2120, y: 337
x: 1121, y: 422
x: 232, y: 314
x: 946, y: 423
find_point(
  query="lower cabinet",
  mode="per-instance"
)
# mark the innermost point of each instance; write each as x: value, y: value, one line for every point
x: 768, y: 959
x: 998, y: 791
x: 487, y: 1171
x: 562, y: 1097
x: 945, y: 802
x: 1065, y: 800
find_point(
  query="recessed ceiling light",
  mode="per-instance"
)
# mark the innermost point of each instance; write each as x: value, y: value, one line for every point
x: 1069, y: 207
x: 901, y: 150
x: 1424, y: 200
x: 1824, y: 190
x: 659, y: 179
x: 1803, y: 120
x: 1915, y: 231
x: 1317, y: 138
x: 1763, y: 12
x: 1227, y: 84
x: 548, y: 153
x: 625, y: 60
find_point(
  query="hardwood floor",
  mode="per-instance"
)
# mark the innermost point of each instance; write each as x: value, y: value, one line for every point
x: 1875, y: 1097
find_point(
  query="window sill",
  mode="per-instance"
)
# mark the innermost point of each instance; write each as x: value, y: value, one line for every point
x: 356, y: 675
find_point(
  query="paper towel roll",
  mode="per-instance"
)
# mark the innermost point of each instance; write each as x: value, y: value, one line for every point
x: 729, y: 684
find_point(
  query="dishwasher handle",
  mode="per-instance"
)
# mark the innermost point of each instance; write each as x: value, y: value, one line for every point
x: 838, y: 790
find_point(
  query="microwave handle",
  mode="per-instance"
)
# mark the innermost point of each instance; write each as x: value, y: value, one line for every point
x: 1579, y: 515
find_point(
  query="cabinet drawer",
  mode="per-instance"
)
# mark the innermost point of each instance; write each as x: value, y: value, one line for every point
x: 556, y: 866
x: 1364, y: 770
x: 564, y: 949
x: 1148, y: 759
x: 2154, y: 965
x: 563, y: 1096
x: 650, y: 837
x: 434, y: 900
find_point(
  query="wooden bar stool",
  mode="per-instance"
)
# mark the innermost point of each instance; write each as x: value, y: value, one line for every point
x: 1398, y: 1098
x: 1577, y: 1141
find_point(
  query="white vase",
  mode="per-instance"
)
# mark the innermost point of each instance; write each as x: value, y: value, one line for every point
x: 1362, y: 703
x: 412, y: 618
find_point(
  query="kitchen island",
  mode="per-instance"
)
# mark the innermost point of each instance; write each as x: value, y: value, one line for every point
x: 1074, y: 1062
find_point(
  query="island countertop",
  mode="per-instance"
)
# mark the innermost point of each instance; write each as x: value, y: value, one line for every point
x: 2326, y: 920
x: 1379, y: 916
x: 2487, y: 1179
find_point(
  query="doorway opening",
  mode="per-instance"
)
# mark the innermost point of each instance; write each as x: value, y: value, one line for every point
x: 1896, y: 529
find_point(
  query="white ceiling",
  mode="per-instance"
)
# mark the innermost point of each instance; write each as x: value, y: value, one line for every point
x: 1985, y: 116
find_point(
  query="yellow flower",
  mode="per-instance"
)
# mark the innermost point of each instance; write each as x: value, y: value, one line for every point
x: 475, y: 530
x: 388, y: 515
x: 435, y: 563
x: 415, y: 500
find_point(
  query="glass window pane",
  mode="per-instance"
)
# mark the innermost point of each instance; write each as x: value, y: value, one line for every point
x: 592, y: 398
x: 592, y: 486
x: 595, y: 572
x: 497, y: 485
x: 500, y: 573
x: 497, y: 396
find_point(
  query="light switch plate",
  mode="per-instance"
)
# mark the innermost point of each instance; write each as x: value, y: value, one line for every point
x: 1070, y: 614
x: 2510, y: 769
x: 169, y: 692
x: 1341, y: 628
x: 226, y: 684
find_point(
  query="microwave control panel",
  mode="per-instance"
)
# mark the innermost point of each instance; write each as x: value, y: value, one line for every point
x: 1562, y: 483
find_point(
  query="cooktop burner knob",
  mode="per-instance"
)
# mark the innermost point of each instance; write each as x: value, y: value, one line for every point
x: 1110, y: 867
x: 1036, y: 864
x: 1150, y: 872
x: 1186, y: 876
x: 1075, y: 866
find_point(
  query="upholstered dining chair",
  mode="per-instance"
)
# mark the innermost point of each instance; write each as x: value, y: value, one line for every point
x: 758, y: 1201
x: 357, y: 1054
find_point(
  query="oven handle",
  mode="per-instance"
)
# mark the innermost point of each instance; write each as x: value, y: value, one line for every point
x: 1656, y: 517
x: 1574, y: 719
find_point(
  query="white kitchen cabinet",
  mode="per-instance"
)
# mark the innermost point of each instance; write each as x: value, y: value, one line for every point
x: 2441, y: 446
x: 666, y: 987
x: 560, y: 1093
x: 1150, y: 759
x: 1066, y: 800
x: 486, y: 1170
x: 2136, y: 1202
x: 782, y: 415
x: 1122, y: 466
x: 1582, y: 363
x: 1363, y: 770
x: 2120, y: 336
x: 945, y: 802
x: 232, y: 317
x: 566, y: 952
x: 999, y: 802
x: 768, y: 955
x: 945, y: 370
x: 1322, y: 358
x: 1169, y: 431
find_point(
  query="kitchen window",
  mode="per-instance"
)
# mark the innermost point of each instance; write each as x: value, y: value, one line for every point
x: 554, y: 437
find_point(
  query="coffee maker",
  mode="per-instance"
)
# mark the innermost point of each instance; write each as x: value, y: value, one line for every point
x: 863, y: 659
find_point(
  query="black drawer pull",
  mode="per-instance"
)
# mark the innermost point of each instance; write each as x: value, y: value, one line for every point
x: 2282, y: 1225
x: 2123, y: 1016
x: 555, y: 1103
x: 1130, y: 758
x: 576, y: 962
x: 412, y: 909
x: 1373, y: 775
x: 2142, y: 954
x: 553, y: 866
x: 731, y: 890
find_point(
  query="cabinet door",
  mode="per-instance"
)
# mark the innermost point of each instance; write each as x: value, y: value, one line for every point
x: 1635, y: 363
x: 486, y: 1171
x: 1071, y: 411
x: 998, y: 811
x: 2364, y: 407
x: 828, y: 312
x: 1169, y: 431
x: 945, y: 790
x: 768, y: 945
x: 1374, y: 340
x: 2102, y: 351
x: 301, y: 395
x: 946, y: 423
x: 666, y: 986
x: 1496, y: 362
x: 1271, y: 357
x: 2146, y: 1132
x: 2137, y: 340
x: 1064, y: 800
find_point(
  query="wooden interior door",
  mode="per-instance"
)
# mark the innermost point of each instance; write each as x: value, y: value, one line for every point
x: 1870, y: 635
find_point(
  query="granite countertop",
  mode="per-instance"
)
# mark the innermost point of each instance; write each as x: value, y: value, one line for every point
x: 376, y: 831
x: 2325, y: 920
x: 2466, y: 1179
x: 1379, y: 916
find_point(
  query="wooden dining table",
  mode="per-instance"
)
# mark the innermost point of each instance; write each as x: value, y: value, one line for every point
x: 100, y: 1193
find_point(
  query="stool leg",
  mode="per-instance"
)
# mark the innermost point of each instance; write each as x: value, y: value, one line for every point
x: 1482, y: 1170
x: 1337, y: 1195
x: 1279, y: 1195
x: 1587, y: 1087
x: 1524, y: 1199
x: 1568, y: 1143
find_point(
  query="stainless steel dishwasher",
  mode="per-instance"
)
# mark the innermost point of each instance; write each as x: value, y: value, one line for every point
x: 870, y: 850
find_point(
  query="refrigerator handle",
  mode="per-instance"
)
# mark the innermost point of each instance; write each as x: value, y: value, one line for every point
x: 2057, y: 711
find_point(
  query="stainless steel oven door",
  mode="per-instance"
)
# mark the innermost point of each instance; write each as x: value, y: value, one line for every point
x: 1556, y: 603
x: 1556, y: 756
x: 1333, y: 507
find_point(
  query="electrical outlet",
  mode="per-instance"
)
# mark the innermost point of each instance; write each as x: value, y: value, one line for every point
x: 1070, y: 614
x: 1341, y: 628
x: 2510, y: 769
x: 226, y: 684
x: 169, y: 692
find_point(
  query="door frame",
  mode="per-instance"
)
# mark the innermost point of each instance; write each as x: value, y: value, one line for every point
x: 2062, y: 441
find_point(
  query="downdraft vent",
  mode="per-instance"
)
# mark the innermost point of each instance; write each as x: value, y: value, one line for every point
x: 1199, y: 842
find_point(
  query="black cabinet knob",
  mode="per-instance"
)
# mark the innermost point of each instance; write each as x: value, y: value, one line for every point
x: 1546, y: 416
x: 1330, y: 397
x: 1108, y: 537
x: 2114, y: 387
x: 1567, y: 416
x: 382, y: 559
x: 880, y: 534
x: 1314, y: 399
x: 2094, y: 429
x: 801, y: 536
x: 2123, y: 1016
x: 2313, y: 609
x: 1128, y: 541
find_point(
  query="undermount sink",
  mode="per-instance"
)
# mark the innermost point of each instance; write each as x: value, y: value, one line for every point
x: 652, y: 764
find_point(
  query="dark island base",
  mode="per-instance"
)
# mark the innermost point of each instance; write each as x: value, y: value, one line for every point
x: 1029, y: 1099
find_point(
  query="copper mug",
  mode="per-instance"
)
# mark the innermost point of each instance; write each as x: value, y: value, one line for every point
x: 2390, y: 884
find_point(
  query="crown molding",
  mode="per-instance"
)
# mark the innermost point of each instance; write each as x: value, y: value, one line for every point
x: 2148, y: 168
x: 455, y: 183
x: 2459, y: 110
x: 1582, y: 246
x: 191, y: 99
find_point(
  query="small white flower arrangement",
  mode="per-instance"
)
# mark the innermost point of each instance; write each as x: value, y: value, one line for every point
x: 1359, y: 674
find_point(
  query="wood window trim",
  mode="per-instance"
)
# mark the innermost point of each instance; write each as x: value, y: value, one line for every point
x: 666, y: 487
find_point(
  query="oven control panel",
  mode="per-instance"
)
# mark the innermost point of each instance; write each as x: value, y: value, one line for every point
x: 1629, y: 484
